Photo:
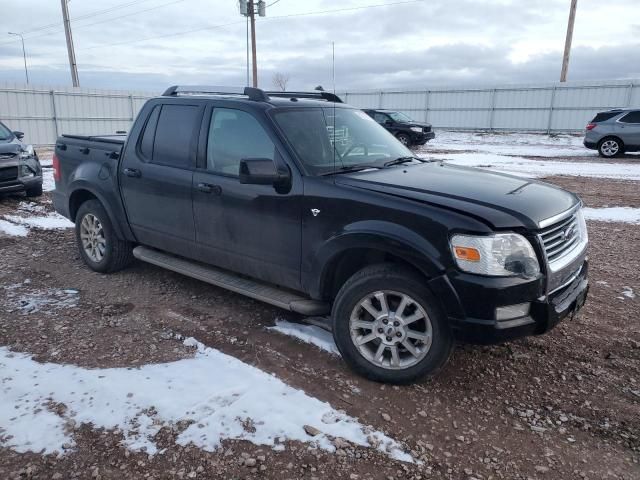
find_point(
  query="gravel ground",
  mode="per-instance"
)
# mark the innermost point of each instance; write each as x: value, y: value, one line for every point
x: 564, y: 405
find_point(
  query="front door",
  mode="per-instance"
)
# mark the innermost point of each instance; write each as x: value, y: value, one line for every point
x: 156, y: 178
x: 249, y: 229
x: 629, y: 128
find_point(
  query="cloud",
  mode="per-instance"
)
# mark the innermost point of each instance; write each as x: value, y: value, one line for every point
x: 413, y: 44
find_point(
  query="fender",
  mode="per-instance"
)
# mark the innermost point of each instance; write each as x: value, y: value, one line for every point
x: 110, y: 201
x: 385, y: 236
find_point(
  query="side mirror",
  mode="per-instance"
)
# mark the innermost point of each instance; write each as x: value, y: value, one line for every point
x: 388, y: 122
x: 19, y: 135
x: 261, y: 171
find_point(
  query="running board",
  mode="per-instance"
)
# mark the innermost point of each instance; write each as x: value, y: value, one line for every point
x: 231, y: 281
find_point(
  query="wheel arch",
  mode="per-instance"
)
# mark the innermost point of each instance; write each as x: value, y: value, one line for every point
x: 82, y: 193
x: 368, y: 243
x: 612, y: 137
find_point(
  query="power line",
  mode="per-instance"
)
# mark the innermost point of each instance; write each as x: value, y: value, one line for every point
x: 110, y: 19
x: 319, y: 12
x: 86, y: 15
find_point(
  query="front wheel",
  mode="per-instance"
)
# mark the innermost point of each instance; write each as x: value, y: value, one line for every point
x: 388, y: 327
x: 404, y: 139
x: 99, y: 246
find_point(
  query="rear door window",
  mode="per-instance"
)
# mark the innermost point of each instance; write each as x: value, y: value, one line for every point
x: 174, y: 135
x: 631, y: 117
x: 381, y: 118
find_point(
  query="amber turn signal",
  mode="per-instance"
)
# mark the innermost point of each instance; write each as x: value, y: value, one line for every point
x: 467, y: 253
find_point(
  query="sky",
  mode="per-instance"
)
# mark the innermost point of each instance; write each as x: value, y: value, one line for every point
x: 150, y: 44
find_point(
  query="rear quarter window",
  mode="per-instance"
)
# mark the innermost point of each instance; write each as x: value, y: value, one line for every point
x: 604, y: 116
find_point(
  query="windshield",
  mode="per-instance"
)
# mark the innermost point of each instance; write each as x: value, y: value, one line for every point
x: 5, y: 133
x: 400, y: 117
x: 330, y: 139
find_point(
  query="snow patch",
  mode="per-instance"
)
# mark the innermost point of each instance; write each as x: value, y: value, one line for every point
x: 521, y: 144
x: 613, y: 214
x: 47, y: 302
x: 12, y: 229
x: 308, y: 334
x: 51, y: 221
x: 220, y: 395
x: 628, y: 292
x: 525, y: 167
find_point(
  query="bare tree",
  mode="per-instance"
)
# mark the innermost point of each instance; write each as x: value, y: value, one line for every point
x: 280, y: 81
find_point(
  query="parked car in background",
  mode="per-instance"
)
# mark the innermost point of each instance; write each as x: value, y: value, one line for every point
x: 403, y: 127
x: 255, y: 192
x: 20, y: 169
x: 614, y: 132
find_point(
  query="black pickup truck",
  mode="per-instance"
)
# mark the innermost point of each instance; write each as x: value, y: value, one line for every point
x: 301, y: 201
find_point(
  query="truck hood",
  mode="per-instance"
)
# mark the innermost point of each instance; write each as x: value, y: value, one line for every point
x: 415, y: 124
x: 500, y: 200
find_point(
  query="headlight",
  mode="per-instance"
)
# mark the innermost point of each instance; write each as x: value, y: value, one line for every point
x: 416, y: 129
x: 500, y: 255
x: 27, y: 151
x: 26, y: 171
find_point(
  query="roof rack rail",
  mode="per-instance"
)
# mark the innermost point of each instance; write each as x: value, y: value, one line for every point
x: 318, y: 95
x: 253, y: 93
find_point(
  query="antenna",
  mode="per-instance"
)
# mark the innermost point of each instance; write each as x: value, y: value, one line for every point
x: 333, y: 65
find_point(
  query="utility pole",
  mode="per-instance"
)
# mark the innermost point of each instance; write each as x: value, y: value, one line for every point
x: 24, y: 55
x: 567, y: 43
x: 248, y: 9
x: 72, y: 56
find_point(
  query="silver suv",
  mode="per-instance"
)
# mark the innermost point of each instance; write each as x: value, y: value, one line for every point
x: 614, y: 132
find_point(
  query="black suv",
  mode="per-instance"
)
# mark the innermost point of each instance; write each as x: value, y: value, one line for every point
x: 404, y: 128
x: 20, y: 169
x: 306, y: 203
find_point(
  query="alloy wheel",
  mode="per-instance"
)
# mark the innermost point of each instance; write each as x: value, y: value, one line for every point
x: 92, y: 236
x: 391, y: 329
x: 610, y: 148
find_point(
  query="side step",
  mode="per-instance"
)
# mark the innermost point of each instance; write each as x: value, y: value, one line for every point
x: 231, y: 281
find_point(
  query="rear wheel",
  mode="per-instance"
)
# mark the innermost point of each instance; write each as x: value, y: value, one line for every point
x: 610, y: 147
x: 99, y: 246
x: 388, y: 327
x: 404, y: 139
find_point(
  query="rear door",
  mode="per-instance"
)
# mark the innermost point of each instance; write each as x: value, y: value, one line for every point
x: 629, y: 128
x: 250, y: 229
x: 156, y: 178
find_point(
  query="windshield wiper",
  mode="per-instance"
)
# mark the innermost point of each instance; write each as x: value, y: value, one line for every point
x: 350, y: 169
x: 401, y: 160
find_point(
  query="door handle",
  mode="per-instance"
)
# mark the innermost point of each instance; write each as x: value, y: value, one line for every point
x: 132, y: 172
x: 208, y: 188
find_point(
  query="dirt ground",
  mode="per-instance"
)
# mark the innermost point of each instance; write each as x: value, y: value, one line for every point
x: 561, y: 406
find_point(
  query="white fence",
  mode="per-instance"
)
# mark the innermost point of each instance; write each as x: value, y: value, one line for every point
x: 45, y: 113
x: 553, y: 107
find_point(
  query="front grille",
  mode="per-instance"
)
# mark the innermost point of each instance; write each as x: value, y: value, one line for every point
x: 8, y: 173
x: 560, y: 237
x: 4, y: 156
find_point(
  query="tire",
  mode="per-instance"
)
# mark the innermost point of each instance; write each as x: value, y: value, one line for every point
x: 111, y: 253
x: 393, y: 282
x: 404, y: 139
x: 610, y: 147
x: 34, y: 191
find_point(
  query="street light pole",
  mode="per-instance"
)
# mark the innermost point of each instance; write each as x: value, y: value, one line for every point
x: 24, y: 55
x: 72, y: 54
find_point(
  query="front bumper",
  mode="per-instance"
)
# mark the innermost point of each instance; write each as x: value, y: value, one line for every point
x: 545, y: 313
x: 422, y: 138
x: 20, y: 184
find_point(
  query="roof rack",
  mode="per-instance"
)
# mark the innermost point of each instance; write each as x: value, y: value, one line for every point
x: 318, y: 95
x: 253, y: 93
